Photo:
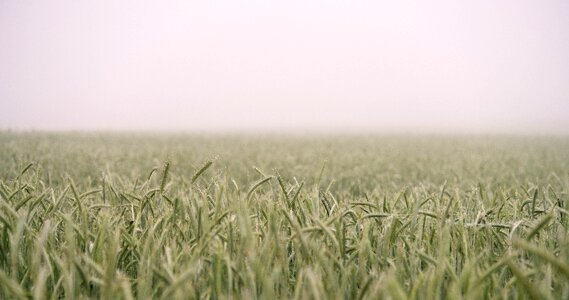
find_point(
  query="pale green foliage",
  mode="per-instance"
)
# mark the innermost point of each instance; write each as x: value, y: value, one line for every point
x: 118, y: 216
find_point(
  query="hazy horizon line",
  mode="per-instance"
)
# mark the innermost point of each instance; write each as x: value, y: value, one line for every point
x: 285, y: 132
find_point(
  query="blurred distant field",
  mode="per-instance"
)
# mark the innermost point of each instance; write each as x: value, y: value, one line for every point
x: 283, y: 216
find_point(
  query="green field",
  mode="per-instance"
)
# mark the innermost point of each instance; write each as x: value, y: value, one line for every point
x: 189, y: 216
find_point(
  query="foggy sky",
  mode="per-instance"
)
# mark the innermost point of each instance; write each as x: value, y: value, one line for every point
x: 450, y: 66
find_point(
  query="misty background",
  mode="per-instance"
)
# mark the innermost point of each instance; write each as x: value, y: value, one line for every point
x: 394, y: 66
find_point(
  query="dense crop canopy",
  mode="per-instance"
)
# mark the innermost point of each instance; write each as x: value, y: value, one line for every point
x: 187, y: 216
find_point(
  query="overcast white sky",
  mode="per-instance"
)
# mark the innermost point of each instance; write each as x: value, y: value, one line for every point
x: 472, y: 66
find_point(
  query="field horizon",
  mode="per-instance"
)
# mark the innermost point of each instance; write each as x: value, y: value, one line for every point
x: 296, y: 132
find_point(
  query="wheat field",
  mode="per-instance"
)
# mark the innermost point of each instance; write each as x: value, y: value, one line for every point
x: 267, y: 216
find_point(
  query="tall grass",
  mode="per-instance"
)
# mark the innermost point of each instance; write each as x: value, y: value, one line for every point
x: 343, y: 217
